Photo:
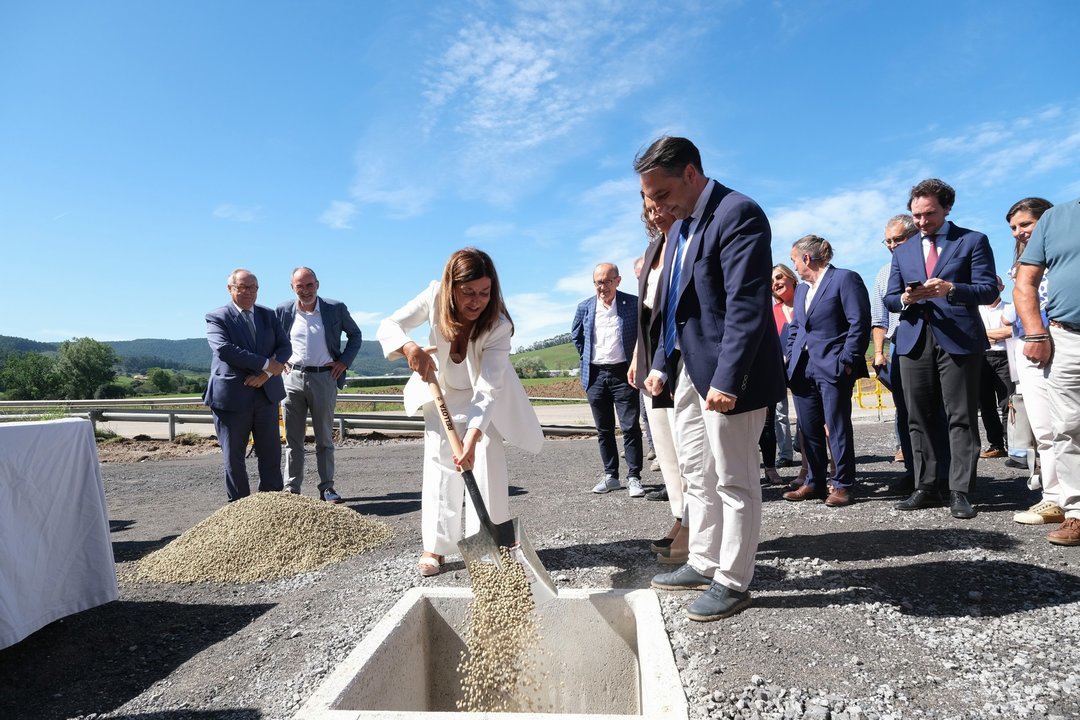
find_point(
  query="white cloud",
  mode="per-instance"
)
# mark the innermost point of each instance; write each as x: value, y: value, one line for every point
x: 537, y: 317
x: 339, y: 215
x: 851, y: 220
x: 236, y: 213
x: 366, y: 318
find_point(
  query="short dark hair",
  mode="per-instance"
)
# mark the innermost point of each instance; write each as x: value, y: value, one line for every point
x: 670, y: 154
x: 933, y: 187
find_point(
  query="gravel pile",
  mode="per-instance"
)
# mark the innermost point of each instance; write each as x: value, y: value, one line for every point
x: 264, y: 536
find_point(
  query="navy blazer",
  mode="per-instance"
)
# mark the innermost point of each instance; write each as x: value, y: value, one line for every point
x: 237, y: 355
x: 964, y: 259
x: 336, y: 320
x: 836, y: 328
x: 725, y: 305
x: 581, y: 331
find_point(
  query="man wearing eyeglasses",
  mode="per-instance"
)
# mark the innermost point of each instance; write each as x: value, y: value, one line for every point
x: 604, y: 332
x: 250, y: 350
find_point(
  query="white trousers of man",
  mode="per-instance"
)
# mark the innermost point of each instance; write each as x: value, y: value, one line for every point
x: 1063, y: 384
x: 718, y: 456
x: 443, y: 494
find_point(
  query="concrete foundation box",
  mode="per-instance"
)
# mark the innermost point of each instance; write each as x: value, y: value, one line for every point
x: 604, y: 654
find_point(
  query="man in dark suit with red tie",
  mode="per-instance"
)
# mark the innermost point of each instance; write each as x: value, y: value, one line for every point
x: 250, y: 350
x: 937, y: 282
x: 723, y: 360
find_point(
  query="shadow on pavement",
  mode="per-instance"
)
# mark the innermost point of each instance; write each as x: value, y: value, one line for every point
x: 110, y: 643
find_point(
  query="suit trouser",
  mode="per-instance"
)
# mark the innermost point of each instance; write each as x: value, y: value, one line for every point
x: 662, y: 422
x: 233, y: 429
x: 443, y: 493
x: 718, y: 456
x: 932, y: 376
x: 903, y: 428
x: 315, y: 394
x: 1033, y: 385
x: 821, y: 403
x: 1063, y: 384
x: 995, y: 387
x: 609, y: 391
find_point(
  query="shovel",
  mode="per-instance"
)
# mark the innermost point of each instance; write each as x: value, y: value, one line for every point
x: 492, y: 536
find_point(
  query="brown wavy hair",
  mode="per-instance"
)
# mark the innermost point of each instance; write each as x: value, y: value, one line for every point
x: 464, y: 266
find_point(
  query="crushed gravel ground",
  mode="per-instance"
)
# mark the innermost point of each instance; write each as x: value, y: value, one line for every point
x: 860, y: 613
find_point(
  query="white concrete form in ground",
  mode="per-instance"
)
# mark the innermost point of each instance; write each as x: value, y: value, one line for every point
x: 604, y: 654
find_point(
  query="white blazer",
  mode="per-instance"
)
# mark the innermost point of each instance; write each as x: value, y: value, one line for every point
x: 498, y: 396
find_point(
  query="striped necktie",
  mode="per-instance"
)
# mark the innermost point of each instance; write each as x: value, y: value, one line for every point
x: 250, y: 322
x: 673, y: 288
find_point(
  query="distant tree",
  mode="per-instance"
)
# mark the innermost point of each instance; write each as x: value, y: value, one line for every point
x: 529, y: 367
x: 110, y: 391
x: 560, y: 339
x: 163, y: 380
x: 84, y: 365
x: 29, y: 376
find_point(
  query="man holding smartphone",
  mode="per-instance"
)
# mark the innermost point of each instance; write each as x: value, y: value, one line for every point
x: 936, y: 285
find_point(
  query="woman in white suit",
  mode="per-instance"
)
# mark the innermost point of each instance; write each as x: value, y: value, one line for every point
x: 471, y: 330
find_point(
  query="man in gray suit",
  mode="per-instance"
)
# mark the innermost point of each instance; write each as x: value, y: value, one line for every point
x: 604, y: 332
x: 249, y: 349
x: 314, y: 374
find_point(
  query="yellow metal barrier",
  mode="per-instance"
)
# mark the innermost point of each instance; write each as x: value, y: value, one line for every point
x: 869, y: 394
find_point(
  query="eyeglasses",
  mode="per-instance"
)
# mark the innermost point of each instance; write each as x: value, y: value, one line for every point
x: 245, y: 288
x: 894, y: 241
x: 603, y: 283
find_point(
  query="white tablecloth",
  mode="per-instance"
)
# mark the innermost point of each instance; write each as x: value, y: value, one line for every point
x: 55, y: 552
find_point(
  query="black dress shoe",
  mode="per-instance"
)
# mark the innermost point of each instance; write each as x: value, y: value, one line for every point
x: 660, y: 494
x: 919, y: 500
x: 960, y: 507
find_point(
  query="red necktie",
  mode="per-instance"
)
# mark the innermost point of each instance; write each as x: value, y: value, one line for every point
x: 931, y: 258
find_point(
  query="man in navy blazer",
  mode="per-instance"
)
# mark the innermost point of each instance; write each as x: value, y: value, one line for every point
x: 722, y: 357
x: 604, y: 332
x: 314, y: 374
x: 826, y: 342
x: 249, y: 351
x: 937, y: 282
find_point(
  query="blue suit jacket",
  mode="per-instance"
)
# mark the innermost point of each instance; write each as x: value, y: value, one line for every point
x: 836, y: 328
x: 581, y: 331
x: 237, y: 355
x: 336, y: 320
x: 964, y: 259
x: 725, y: 305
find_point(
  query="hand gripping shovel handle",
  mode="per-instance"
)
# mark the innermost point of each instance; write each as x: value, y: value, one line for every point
x: 455, y: 444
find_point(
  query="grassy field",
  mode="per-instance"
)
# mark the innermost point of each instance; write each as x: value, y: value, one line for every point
x: 556, y: 357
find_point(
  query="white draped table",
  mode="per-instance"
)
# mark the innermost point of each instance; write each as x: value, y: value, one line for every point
x: 55, y: 552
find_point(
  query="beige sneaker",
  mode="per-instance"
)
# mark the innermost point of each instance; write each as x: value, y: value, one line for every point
x: 1041, y: 513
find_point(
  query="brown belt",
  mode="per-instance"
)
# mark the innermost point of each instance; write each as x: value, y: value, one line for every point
x: 1071, y: 327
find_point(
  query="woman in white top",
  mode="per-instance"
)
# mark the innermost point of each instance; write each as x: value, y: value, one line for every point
x: 471, y: 330
x: 672, y: 548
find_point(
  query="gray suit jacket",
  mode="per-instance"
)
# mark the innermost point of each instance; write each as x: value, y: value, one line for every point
x: 336, y: 319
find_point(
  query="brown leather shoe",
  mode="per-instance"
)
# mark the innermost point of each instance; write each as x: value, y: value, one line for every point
x: 805, y: 492
x: 993, y: 452
x: 899, y: 456
x: 838, y: 497
x: 1067, y: 534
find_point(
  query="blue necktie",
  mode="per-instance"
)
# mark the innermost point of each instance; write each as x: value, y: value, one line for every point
x: 673, y: 288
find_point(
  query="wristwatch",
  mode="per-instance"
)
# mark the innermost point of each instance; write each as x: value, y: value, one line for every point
x: 950, y: 295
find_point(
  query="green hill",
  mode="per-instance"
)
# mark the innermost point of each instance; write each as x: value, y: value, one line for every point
x: 556, y: 357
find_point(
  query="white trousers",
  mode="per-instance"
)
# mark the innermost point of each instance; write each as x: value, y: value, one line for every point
x: 662, y: 427
x: 718, y: 456
x: 1063, y: 384
x: 443, y: 494
x: 1032, y: 381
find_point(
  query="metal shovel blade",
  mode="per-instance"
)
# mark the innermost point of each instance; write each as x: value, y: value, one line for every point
x: 484, y: 547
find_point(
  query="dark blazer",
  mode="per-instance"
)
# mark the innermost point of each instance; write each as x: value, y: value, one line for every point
x: 581, y: 331
x: 725, y: 305
x: 964, y: 259
x: 650, y: 329
x: 237, y: 355
x: 336, y: 320
x: 836, y: 328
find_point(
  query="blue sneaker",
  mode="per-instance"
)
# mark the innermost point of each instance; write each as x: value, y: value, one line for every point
x: 718, y: 602
x: 685, y: 578
x: 330, y: 496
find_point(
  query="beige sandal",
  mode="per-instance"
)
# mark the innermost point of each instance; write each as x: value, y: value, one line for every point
x: 430, y: 564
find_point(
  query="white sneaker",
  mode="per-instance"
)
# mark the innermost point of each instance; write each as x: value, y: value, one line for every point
x: 606, y: 485
x: 634, y: 484
x: 1041, y: 513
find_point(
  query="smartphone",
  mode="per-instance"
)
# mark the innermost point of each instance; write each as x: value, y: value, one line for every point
x: 914, y: 284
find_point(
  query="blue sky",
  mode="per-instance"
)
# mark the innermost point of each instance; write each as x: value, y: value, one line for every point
x: 148, y: 148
